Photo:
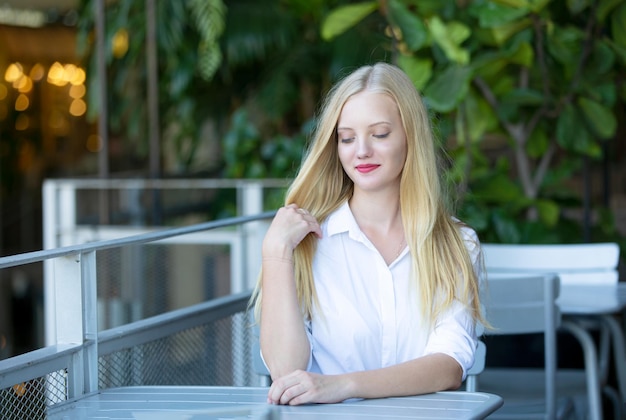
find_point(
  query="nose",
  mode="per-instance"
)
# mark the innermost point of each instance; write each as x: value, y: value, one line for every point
x: 364, y: 149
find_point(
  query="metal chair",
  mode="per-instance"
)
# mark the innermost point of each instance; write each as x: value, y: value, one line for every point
x: 575, y: 264
x: 524, y: 305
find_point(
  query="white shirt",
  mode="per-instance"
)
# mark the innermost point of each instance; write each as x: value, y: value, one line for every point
x: 368, y: 316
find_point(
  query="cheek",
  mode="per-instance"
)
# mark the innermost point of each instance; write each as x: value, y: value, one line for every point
x: 344, y: 156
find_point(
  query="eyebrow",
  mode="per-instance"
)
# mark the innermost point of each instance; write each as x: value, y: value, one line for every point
x: 369, y: 126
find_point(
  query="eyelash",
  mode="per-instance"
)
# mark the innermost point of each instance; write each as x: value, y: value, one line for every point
x: 378, y: 136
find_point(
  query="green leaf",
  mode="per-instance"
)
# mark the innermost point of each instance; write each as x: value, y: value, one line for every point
x: 480, y: 117
x: 490, y: 14
x: 449, y: 37
x: 600, y: 118
x: 577, y: 6
x: 537, y: 144
x: 448, y: 88
x: 502, y: 33
x: 566, y: 126
x: 498, y: 188
x: 619, y: 51
x: 343, y: 18
x: 419, y: 70
x: 524, y: 55
x: 512, y: 3
x: 548, y: 211
x: 523, y: 97
x: 618, y: 25
x: 506, y: 227
x: 573, y: 135
x: 600, y: 61
x: 414, y: 32
x: 565, y: 45
x: 537, y: 6
x: 605, y: 7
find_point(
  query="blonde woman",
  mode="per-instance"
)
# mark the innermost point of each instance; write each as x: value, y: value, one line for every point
x: 369, y: 287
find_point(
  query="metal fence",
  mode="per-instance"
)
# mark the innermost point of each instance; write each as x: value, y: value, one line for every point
x: 209, y: 343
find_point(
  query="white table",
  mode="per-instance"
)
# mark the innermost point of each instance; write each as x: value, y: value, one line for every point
x: 601, y: 302
x: 205, y: 402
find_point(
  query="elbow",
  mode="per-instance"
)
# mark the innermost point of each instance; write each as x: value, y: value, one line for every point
x: 455, y: 383
x: 280, y: 364
x: 453, y: 377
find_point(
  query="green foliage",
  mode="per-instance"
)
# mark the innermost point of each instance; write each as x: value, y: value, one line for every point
x: 522, y: 91
x: 188, y: 53
x: 538, y: 77
x: 247, y: 155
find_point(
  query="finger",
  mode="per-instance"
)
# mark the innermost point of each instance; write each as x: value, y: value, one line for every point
x: 291, y: 395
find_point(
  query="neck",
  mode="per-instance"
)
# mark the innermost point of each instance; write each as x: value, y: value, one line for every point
x: 380, y: 212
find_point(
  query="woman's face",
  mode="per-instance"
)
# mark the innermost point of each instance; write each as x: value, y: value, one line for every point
x: 371, y: 141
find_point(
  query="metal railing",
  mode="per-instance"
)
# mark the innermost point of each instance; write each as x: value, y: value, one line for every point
x: 209, y: 343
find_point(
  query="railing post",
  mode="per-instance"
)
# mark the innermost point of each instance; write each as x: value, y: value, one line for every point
x: 90, y: 320
x: 66, y: 316
x: 59, y: 220
x: 251, y: 204
x: 253, y: 232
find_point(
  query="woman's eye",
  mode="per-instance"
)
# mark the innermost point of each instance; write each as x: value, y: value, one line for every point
x: 346, y: 139
x: 381, y: 136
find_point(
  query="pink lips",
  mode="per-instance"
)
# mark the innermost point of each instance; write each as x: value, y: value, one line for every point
x: 366, y: 168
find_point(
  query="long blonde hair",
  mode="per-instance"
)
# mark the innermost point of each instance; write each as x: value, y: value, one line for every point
x: 440, y: 260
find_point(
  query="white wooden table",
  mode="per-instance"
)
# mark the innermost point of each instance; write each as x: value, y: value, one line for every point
x: 205, y: 402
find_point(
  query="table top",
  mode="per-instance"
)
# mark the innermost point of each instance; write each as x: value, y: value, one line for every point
x: 592, y: 299
x: 208, y: 402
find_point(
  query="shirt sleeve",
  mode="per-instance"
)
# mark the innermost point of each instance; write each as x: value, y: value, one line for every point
x: 455, y: 335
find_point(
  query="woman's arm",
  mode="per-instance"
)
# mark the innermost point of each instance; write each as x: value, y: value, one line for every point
x: 431, y: 373
x: 284, y: 343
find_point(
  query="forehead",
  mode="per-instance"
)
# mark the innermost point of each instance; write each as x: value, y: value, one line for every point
x: 367, y: 108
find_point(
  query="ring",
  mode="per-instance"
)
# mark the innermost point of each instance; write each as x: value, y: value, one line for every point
x: 303, y: 211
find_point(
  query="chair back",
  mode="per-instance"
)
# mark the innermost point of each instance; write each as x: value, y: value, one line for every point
x: 525, y: 305
x: 471, y: 381
x: 575, y: 264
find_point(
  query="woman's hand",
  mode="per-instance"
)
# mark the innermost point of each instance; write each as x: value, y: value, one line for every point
x: 289, y: 227
x: 300, y: 387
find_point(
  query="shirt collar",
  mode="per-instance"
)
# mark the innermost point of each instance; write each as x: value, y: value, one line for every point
x: 342, y: 220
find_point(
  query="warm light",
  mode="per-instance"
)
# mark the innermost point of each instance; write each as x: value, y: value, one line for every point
x: 37, y: 72
x: 24, y: 85
x: 77, y: 91
x: 69, y: 70
x: 119, y: 44
x: 79, y: 77
x: 22, y: 102
x: 3, y: 92
x: 78, y: 107
x: 55, y: 74
x: 22, y: 122
x: 93, y: 143
x: 14, y: 72
x: 61, y: 75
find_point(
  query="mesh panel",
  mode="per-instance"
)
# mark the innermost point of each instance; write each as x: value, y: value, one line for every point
x: 215, y: 354
x: 140, y: 281
x: 29, y: 400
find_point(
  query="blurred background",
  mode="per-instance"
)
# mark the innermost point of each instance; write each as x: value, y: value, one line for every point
x: 527, y: 98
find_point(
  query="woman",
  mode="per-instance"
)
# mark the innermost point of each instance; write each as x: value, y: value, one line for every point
x: 368, y: 286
